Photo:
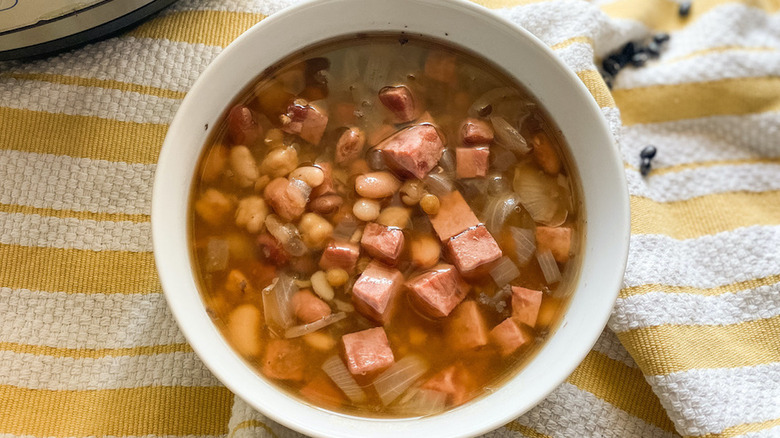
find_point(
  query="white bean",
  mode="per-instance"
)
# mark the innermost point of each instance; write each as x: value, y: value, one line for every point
x: 319, y: 282
x: 376, y: 185
x: 243, y: 165
x: 366, y: 209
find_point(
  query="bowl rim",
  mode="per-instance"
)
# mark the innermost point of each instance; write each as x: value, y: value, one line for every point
x: 228, y: 367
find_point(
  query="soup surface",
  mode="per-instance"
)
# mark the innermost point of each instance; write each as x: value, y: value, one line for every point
x: 385, y: 225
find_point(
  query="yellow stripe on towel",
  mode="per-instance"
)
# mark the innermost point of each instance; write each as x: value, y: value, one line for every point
x: 70, y: 214
x: 688, y: 347
x: 704, y: 215
x: 94, y: 353
x: 742, y: 429
x: 78, y: 271
x: 597, y: 87
x: 213, y: 28
x: 98, y: 83
x: 663, y: 103
x: 141, y: 411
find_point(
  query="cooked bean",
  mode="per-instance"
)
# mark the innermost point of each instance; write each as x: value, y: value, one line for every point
x: 394, y: 217
x: 251, y: 213
x: 319, y: 341
x: 425, y: 251
x: 308, y: 307
x: 280, y: 162
x: 213, y: 207
x: 430, y: 203
x: 326, y: 204
x: 261, y: 183
x: 236, y: 284
x: 337, y: 277
x: 350, y: 145
x: 244, y: 166
x: 311, y: 175
x: 274, y: 138
x: 412, y: 191
x: 243, y: 328
x: 319, y: 282
x: 242, y: 127
x: 315, y: 230
x: 356, y: 236
x: 215, y: 163
x: 377, y: 185
x: 366, y: 209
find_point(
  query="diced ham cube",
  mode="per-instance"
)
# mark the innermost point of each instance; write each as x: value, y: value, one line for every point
x: 476, y: 132
x: 272, y: 250
x: 376, y: 291
x: 454, y: 216
x: 350, y: 145
x: 414, y: 150
x: 367, y: 351
x: 287, y: 199
x: 525, y: 305
x: 308, y: 121
x: 383, y: 243
x: 467, y: 329
x: 437, y: 292
x: 473, y: 250
x: 471, y: 162
x: 441, y: 67
x: 284, y: 360
x: 545, y: 154
x: 342, y: 255
x: 556, y: 239
x: 400, y: 101
x: 508, y: 337
x: 321, y: 390
x: 455, y: 381
x: 309, y: 307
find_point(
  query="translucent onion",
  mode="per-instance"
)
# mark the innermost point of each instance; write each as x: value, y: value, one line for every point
x: 447, y: 161
x: 399, y: 377
x: 498, y: 209
x: 540, y: 194
x: 507, y: 136
x: 217, y: 253
x: 491, y: 97
x: 344, y: 230
x: 277, y: 303
x: 340, y: 375
x: 504, y: 271
x: 286, y: 234
x: 376, y: 70
x: 421, y: 401
x: 304, y: 329
x: 549, y: 266
x: 301, y: 186
x: 525, y: 243
x: 501, y: 159
x: 438, y: 183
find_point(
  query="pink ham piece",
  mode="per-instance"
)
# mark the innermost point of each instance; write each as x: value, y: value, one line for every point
x: 475, y: 132
x: 437, y: 292
x: 284, y: 360
x: 376, y: 291
x: 367, y: 351
x: 287, y: 200
x: 525, y: 305
x: 508, y: 337
x: 341, y: 255
x: 309, y: 307
x: 473, y: 250
x: 414, y: 150
x: 466, y: 328
x: 454, y: 216
x: 455, y: 381
x: 400, y: 101
x: 383, y: 243
x: 556, y: 239
x: 306, y: 120
x: 471, y: 162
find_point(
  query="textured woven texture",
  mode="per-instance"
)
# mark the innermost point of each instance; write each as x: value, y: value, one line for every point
x: 89, y: 348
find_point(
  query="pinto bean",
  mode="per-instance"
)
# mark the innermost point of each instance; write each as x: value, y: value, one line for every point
x: 311, y: 175
x: 350, y: 145
x: 308, y: 307
x: 244, y: 166
x: 326, y: 204
x: 377, y: 185
x: 242, y: 127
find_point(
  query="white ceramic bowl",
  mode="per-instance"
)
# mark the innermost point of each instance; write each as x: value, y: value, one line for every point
x: 522, y: 56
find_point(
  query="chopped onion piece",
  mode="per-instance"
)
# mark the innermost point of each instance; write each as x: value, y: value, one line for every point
x: 504, y: 271
x: 540, y: 194
x: 438, y: 183
x: 217, y: 253
x: 286, y: 234
x: 421, y: 401
x: 447, y: 161
x: 277, y: 303
x: 304, y: 329
x: 301, y: 186
x: 479, y: 107
x: 507, y: 136
x: 344, y: 306
x: 525, y: 243
x: 319, y: 282
x: 375, y: 73
x: 549, y: 266
x: 501, y: 158
x: 399, y: 377
x: 344, y: 230
x: 339, y: 374
x: 498, y: 210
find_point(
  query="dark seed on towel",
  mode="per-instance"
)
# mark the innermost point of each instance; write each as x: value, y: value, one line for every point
x: 648, y: 152
x: 639, y: 59
x: 644, y: 168
x: 661, y: 38
x: 653, y: 49
x: 685, y: 9
x: 611, y: 65
x: 628, y: 50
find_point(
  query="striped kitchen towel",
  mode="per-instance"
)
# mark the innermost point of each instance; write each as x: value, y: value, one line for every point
x: 88, y: 347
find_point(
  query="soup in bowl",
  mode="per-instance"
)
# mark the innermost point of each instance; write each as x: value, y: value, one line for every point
x: 389, y: 226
